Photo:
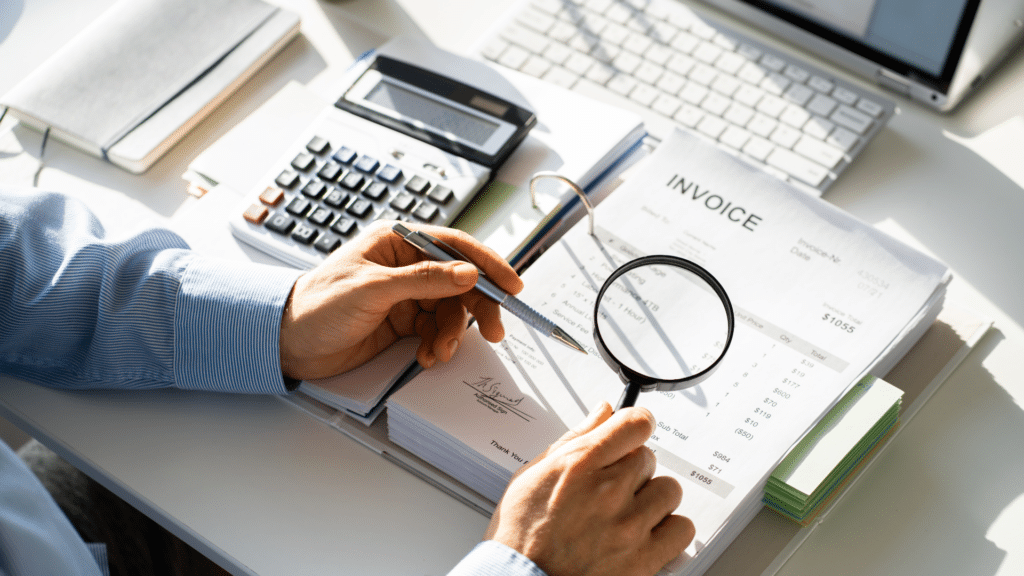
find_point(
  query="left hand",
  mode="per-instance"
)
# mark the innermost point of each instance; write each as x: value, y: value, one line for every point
x: 378, y: 288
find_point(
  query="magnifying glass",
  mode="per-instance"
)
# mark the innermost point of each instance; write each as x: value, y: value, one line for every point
x: 662, y: 323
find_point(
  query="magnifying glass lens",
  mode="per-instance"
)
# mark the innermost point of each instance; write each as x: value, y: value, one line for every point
x: 663, y: 321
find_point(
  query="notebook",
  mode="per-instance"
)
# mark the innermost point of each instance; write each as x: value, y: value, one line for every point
x: 933, y: 52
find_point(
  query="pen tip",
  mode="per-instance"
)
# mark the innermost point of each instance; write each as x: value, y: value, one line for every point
x: 561, y: 336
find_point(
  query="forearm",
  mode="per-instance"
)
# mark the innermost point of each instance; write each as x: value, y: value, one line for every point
x: 81, y: 310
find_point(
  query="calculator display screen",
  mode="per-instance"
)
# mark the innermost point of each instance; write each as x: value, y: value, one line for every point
x: 446, y: 119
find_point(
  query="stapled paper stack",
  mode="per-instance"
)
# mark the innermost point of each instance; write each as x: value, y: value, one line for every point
x: 819, y: 466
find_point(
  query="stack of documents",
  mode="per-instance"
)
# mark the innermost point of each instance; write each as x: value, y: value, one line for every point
x: 821, y: 300
x: 820, y: 464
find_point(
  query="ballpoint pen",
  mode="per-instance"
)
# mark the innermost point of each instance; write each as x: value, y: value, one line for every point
x: 438, y: 250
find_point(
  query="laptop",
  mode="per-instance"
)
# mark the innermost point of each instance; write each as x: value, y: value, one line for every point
x: 933, y: 51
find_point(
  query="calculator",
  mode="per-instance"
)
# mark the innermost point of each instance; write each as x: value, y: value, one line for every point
x: 401, y: 143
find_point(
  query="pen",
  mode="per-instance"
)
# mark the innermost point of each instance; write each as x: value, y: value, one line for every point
x: 438, y: 250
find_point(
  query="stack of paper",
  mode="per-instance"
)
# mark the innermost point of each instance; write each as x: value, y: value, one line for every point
x: 821, y: 301
x: 819, y: 465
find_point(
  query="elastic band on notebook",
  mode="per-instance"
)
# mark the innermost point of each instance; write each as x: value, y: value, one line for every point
x: 42, y: 150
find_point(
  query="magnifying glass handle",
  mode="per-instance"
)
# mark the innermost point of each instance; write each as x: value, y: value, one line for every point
x: 629, y: 395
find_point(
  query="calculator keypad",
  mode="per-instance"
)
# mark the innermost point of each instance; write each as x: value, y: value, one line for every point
x: 329, y: 192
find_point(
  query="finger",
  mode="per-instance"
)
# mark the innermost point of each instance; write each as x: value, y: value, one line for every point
x: 488, y: 317
x: 426, y: 329
x: 670, y: 539
x: 619, y: 435
x: 496, y: 268
x: 427, y: 280
x: 597, y: 416
x: 635, y: 469
x: 658, y: 498
x: 451, y: 319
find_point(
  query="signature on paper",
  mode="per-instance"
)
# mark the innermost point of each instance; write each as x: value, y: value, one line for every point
x: 488, y: 393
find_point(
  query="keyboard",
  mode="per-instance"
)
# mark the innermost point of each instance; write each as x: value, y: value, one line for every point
x: 342, y: 174
x: 678, y: 69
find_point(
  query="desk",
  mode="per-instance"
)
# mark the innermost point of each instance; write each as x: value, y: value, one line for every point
x: 310, y: 501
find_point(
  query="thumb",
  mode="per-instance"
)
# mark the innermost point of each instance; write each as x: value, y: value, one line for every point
x: 431, y: 280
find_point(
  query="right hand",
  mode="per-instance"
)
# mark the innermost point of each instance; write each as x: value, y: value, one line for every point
x: 589, y: 505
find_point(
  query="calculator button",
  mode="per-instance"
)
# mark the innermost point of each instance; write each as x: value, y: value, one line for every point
x: 327, y: 244
x: 314, y: 189
x: 426, y: 212
x: 353, y: 181
x: 336, y: 198
x: 280, y: 223
x: 318, y: 145
x: 345, y: 226
x: 417, y: 185
x: 390, y: 174
x: 441, y: 194
x: 360, y: 208
x: 304, y: 234
x: 330, y: 171
x: 390, y: 214
x: 298, y: 206
x: 287, y: 179
x: 367, y: 164
x: 376, y: 191
x: 271, y: 196
x: 304, y: 161
x: 256, y: 213
x: 321, y: 216
x: 403, y: 202
x: 345, y: 155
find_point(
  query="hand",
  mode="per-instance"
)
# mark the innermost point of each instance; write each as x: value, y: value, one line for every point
x: 589, y: 505
x: 377, y: 289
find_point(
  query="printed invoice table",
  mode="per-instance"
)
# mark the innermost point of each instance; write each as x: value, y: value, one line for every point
x: 266, y: 490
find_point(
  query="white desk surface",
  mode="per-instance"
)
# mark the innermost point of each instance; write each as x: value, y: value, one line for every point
x: 266, y: 490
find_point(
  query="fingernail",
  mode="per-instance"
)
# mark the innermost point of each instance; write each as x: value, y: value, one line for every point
x: 452, y: 347
x: 429, y: 361
x: 464, y: 273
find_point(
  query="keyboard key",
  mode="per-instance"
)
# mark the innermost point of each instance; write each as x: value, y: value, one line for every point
x: 304, y: 234
x: 441, y: 194
x: 622, y: 84
x: 726, y: 85
x: 327, y: 244
x: 514, y: 57
x: 734, y: 137
x: 688, y: 115
x: 671, y: 83
x: 702, y: 74
x: 298, y: 206
x: 403, y: 202
x: 842, y: 139
x: 314, y: 189
x: 648, y: 72
x: 336, y: 198
x: 845, y: 96
x: 426, y: 212
x: 417, y: 185
x: 367, y: 164
x: 685, y: 42
x: 798, y: 94
x: 644, y: 94
x: 287, y: 179
x: 849, y: 118
x: 345, y: 226
x: 557, y: 53
x: 715, y: 103
x: 712, y: 126
x: 271, y: 196
x: 666, y: 105
x: 360, y: 208
x: 353, y: 181
x: 748, y: 95
x: 303, y: 161
x: 762, y: 125
x: 869, y: 107
x: 821, y: 105
x: 773, y: 63
x: 707, y: 53
x: 820, y: 84
x: 376, y: 191
x: 680, y: 64
x: 818, y: 151
x: 561, y: 77
x: 797, y: 166
x: 530, y: 42
x: 739, y: 114
x: 280, y: 223
x: 321, y: 217
x: 730, y: 63
x: 775, y: 84
x: 771, y: 105
x: 796, y: 73
x: 535, y: 66
x: 818, y: 127
x: 758, y: 148
x: 785, y: 136
x: 389, y: 174
x: 391, y: 214
x: 256, y: 213
x: 578, y: 63
x: 794, y: 116
x: 318, y: 145
x: 330, y: 171
x: 693, y: 93
x: 658, y: 53
x: 751, y: 73
x: 345, y: 155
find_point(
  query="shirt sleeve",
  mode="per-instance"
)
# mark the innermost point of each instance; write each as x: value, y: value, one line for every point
x: 490, y: 558
x: 79, y: 309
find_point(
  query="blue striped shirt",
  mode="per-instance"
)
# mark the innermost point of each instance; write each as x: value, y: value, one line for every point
x: 79, y: 310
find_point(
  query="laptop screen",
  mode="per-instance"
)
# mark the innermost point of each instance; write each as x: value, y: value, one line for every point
x: 922, y: 39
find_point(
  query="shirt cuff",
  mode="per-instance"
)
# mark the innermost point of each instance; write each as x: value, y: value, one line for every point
x: 490, y: 558
x: 227, y: 326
